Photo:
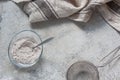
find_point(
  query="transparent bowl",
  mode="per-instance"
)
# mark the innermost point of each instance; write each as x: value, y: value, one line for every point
x: 24, y: 33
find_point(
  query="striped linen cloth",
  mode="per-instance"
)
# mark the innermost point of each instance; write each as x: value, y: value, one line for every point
x: 42, y: 10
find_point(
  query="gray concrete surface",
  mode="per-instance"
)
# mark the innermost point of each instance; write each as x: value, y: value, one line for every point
x: 73, y: 42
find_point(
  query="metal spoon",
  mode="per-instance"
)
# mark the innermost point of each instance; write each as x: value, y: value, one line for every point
x: 45, y: 41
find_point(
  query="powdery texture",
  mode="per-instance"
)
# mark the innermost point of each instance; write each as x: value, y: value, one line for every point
x: 22, y: 51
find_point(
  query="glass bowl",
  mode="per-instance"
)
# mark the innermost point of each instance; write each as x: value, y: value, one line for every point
x: 22, y: 34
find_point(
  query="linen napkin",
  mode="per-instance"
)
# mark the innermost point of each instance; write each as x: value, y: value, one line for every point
x: 42, y: 10
x: 18, y: 1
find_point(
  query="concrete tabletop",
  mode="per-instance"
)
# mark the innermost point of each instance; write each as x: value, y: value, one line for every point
x: 73, y: 41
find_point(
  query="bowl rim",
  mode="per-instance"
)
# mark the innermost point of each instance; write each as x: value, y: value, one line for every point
x: 18, y: 65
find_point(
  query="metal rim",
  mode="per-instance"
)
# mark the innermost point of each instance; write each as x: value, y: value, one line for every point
x: 78, y: 67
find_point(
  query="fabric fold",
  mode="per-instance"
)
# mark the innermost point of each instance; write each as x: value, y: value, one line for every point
x: 78, y: 10
x: 19, y: 1
x: 52, y: 9
x: 111, y: 14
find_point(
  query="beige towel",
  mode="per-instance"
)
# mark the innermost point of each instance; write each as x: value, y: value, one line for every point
x: 111, y: 13
x: 42, y: 10
x: 18, y: 1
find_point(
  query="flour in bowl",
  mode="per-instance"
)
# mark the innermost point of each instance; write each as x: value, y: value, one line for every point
x: 22, y: 51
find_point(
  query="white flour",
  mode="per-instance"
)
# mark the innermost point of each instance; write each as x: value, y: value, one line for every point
x: 22, y: 51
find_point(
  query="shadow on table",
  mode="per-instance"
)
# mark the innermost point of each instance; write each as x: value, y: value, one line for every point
x: 96, y: 22
x: 49, y: 23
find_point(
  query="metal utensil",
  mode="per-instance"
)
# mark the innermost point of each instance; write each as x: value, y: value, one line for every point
x: 45, y: 41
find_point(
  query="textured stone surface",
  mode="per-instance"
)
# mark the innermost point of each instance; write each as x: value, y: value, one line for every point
x: 73, y: 42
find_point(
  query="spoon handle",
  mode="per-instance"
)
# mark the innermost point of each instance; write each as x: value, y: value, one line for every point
x: 45, y: 41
